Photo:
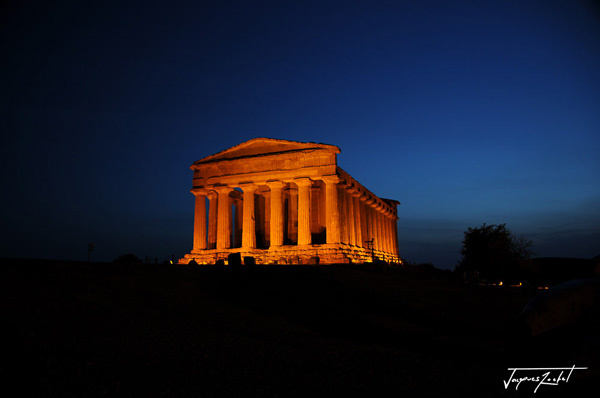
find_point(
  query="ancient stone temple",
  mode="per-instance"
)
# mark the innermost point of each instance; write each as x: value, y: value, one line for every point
x: 287, y: 202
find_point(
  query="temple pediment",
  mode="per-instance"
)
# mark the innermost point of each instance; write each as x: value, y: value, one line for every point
x: 266, y: 146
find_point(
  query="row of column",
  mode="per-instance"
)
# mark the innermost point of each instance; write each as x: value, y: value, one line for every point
x: 366, y: 219
x: 351, y: 217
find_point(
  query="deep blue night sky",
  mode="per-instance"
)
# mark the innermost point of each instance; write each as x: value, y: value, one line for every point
x: 467, y: 112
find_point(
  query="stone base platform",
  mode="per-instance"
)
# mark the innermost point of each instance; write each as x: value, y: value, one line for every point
x: 294, y: 254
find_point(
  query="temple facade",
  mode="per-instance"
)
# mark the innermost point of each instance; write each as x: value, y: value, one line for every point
x: 287, y: 202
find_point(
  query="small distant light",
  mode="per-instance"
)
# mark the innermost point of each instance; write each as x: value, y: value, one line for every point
x: 500, y: 283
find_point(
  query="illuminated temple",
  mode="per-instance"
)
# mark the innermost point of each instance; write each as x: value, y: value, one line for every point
x: 287, y: 202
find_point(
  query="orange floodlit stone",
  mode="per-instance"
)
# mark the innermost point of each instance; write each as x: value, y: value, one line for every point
x: 287, y: 202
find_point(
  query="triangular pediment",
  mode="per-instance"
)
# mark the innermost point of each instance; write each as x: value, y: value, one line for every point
x: 266, y: 146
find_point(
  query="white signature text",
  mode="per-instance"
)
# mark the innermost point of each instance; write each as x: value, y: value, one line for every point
x: 540, y: 376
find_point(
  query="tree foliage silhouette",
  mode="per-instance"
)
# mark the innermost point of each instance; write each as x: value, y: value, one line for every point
x: 494, y: 252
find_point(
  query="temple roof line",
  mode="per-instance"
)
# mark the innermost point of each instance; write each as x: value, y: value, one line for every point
x: 264, y: 147
x: 344, y: 175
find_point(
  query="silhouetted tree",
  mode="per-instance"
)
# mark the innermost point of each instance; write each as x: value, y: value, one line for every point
x: 493, y: 252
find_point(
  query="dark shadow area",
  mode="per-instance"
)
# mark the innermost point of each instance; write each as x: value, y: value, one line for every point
x: 130, y: 329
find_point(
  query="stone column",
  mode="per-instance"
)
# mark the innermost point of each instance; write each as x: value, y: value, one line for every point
x: 212, y: 219
x: 276, y: 212
x: 248, y: 219
x: 224, y: 218
x: 369, y: 211
x: 396, y: 248
x: 357, y: 225
x: 363, y: 221
x: 315, y: 226
x: 292, y: 215
x: 343, y: 213
x: 384, y: 237
x: 350, y: 219
x: 267, y: 216
x: 373, y: 214
x: 237, y: 225
x: 391, y: 224
x: 384, y: 231
x: 388, y: 232
x: 378, y: 232
x: 331, y: 205
x: 199, y: 219
x: 304, y: 235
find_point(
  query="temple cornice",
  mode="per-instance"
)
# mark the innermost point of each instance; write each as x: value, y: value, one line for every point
x: 235, y: 180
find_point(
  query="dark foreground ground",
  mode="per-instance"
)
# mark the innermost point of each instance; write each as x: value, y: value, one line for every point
x: 79, y: 329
